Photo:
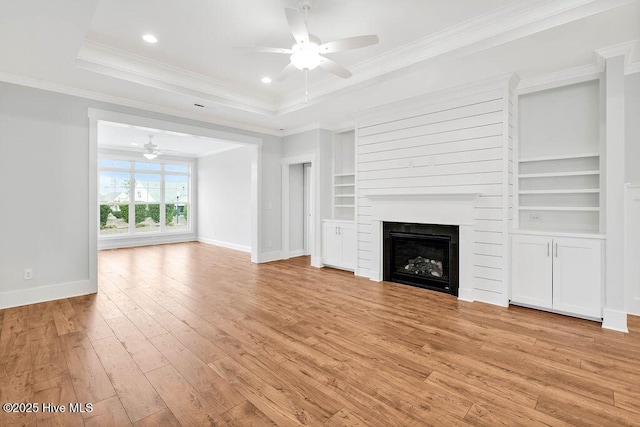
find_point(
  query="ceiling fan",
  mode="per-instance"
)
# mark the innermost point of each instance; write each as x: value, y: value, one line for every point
x: 307, y: 53
x: 151, y: 150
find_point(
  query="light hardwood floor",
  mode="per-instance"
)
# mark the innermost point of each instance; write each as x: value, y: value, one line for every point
x: 192, y: 334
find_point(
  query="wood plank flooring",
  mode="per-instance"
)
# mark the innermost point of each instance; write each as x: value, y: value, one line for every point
x: 192, y: 334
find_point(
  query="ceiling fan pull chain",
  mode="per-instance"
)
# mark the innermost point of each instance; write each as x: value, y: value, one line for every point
x: 306, y: 85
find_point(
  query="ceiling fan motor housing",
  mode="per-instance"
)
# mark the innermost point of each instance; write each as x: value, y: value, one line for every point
x: 304, y: 5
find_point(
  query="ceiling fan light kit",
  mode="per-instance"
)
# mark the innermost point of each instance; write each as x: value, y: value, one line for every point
x: 306, y: 56
x: 151, y: 150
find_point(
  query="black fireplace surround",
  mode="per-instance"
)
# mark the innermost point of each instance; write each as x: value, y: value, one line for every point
x: 423, y: 255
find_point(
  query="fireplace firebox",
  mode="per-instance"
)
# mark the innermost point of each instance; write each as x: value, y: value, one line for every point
x: 423, y: 255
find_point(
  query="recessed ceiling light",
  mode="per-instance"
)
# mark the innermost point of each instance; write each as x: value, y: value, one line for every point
x: 150, y: 38
x: 266, y: 80
x: 134, y: 143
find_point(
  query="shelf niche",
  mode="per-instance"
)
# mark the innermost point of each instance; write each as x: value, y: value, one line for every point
x: 559, y: 188
x: 344, y: 178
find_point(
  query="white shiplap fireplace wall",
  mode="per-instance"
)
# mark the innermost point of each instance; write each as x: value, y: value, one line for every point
x: 437, y: 149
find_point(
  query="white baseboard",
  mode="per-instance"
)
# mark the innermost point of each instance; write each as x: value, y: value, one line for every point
x: 362, y: 272
x: 270, y: 256
x: 46, y: 293
x: 614, y: 320
x: 293, y: 254
x: 227, y: 245
x: 375, y: 276
x: 480, y: 295
x: 634, y: 307
x: 466, y: 294
x: 132, y: 242
x: 316, y: 261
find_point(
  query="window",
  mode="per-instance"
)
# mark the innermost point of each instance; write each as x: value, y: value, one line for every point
x: 143, y: 197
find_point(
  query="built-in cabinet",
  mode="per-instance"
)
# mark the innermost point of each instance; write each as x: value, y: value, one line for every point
x: 339, y: 244
x: 556, y: 245
x: 562, y: 274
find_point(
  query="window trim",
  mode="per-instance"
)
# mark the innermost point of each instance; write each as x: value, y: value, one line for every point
x: 131, y: 158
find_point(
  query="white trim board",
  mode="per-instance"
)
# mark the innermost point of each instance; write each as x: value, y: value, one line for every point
x: 130, y: 119
x: 136, y: 241
x: 20, y: 297
x: 560, y: 78
x: 227, y: 245
x: 270, y: 256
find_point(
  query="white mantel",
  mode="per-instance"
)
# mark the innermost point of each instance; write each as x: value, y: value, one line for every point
x: 455, y: 208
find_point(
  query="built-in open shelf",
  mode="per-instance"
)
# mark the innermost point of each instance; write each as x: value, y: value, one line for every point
x: 565, y: 191
x: 560, y: 208
x: 560, y: 157
x: 558, y: 174
x: 344, y: 176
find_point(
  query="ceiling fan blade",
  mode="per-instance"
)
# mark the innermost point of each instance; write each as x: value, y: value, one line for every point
x: 297, y: 25
x: 349, y: 43
x: 262, y: 49
x: 335, y: 68
x: 286, y: 72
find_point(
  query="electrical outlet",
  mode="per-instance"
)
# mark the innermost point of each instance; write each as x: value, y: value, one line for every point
x: 269, y: 243
x: 28, y: 274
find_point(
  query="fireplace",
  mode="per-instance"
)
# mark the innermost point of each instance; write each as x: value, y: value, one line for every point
x: 424, y: 255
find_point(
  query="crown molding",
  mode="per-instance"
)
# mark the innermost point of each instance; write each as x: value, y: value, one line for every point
x: 301, y: 129
x: 342, y: 126
x: 97, y: 96
x: 505, y: 24
x: 583, y: 73
x: 124, y: 65
x: 633, y: 68
x: 625, y: 48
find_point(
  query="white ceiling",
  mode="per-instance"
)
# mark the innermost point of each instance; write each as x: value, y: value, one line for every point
x: 119, y: 136
x: 93, y: 48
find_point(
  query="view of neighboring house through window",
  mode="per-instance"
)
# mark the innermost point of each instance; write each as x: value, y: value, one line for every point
x: 143, y: 197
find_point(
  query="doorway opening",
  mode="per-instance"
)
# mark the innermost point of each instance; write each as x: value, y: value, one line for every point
x: 299, y: 218
x: 169, y: 209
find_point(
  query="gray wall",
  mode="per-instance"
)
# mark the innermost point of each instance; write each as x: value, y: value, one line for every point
x: 44, y: 169
x: 224, y: 196
x: 296, y: 208
x: 632, y: 135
